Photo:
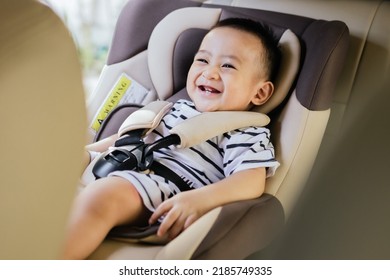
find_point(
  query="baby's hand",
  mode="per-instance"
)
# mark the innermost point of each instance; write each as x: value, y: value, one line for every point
x: 179, y: 213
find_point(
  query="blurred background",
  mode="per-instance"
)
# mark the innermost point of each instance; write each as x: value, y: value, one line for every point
x: 91, y: 23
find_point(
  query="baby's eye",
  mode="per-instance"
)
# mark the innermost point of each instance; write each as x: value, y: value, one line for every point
x: 228, y: 65
x: 201, y: 60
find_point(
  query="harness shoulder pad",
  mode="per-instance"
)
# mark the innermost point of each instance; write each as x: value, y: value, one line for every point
x: 147, y: 117
x: 217, y: 123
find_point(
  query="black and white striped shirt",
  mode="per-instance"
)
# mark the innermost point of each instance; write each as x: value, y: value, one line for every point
x: 219, y: 156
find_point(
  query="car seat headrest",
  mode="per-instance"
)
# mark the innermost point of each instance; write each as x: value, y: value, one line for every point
x: 167, y: 50
x: 163, y: 39
x: 289, y: 66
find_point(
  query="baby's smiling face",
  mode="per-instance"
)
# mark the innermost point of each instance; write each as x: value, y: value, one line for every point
x: 226, y: 74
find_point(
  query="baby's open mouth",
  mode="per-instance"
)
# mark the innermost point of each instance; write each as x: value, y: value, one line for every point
x: 209, y: 90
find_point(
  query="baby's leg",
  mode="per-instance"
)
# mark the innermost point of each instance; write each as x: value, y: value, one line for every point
x: 105, y: 203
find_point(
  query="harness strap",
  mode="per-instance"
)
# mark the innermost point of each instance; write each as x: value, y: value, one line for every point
x: 149, y: 117
x: 170, y: 175
x: 146, y: 118
x: 133, y: 154
x: 147, y: 162
x: 215, y: 123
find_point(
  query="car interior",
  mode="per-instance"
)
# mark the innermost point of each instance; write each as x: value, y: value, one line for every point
x: 333, y: 84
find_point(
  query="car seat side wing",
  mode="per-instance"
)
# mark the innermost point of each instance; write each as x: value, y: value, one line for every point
x: 163, y: 40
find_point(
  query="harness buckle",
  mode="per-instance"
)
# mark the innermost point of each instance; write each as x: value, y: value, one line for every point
x: 117, y: 159
x: 129, y: 153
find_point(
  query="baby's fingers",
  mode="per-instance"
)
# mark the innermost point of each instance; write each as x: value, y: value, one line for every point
x: 190, y: 220
x: 169, y: 220
x: 181, y: 223
x: 177, y: 227
x: 159, y: 212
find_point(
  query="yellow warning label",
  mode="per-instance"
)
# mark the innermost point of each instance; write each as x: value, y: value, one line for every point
x: 112, y: 101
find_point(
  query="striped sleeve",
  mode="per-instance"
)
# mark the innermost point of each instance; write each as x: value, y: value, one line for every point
x: 248, y: 148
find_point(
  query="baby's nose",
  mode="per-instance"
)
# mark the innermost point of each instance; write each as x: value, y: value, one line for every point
x: 211, y: 73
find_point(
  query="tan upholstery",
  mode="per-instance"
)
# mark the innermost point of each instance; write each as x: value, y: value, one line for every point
x: 43, y: 130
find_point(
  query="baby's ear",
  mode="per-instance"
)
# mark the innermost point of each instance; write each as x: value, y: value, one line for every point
x: 264, y: 93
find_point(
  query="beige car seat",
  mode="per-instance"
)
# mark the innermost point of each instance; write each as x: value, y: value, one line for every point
x: 155, y: 59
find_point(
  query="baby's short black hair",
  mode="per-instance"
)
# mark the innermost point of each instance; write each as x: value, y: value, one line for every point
x: 273, y: 54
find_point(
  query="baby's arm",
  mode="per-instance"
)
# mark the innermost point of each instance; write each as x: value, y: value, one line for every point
x: 99, y: 146
x: 102, y: 145
x: 185, y: 208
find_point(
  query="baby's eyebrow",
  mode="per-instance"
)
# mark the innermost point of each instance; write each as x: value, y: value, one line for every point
x: 203, y: 52
x: 232, y: 57
x: 228, y: 56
